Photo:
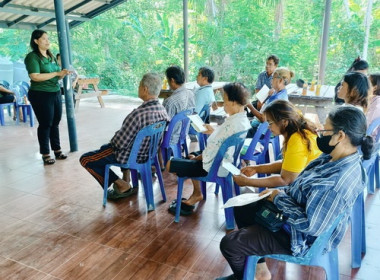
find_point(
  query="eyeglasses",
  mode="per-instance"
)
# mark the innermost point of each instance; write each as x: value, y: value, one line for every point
x: 320, y: 132
x: 270, y: 123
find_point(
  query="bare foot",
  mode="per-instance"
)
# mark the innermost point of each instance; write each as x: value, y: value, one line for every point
x: 262, y: 272
x: 193, y: 199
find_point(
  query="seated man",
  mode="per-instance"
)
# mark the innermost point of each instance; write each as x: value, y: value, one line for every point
x: 264, y: 78
x: 119, y: 148
x: 6, y: 95
x: 204, y: 95
x: 181, y: 98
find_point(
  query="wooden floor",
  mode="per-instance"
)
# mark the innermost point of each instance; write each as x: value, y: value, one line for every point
x: 53, y: 225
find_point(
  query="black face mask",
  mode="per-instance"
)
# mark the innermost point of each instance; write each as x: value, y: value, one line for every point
x: 323, y: 144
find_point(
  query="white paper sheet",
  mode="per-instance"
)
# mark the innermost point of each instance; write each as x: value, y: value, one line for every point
x: 262, y: 94
x: 230, y: 167
x: 197, y: 123
x: 244, y: 199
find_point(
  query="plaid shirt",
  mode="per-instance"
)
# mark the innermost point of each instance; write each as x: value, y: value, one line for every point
x: 319, y: 194
x: 146, y: 114
x: 264, y: 79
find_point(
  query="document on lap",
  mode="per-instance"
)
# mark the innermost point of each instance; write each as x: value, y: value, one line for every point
x: 230, y: 168
x: 244, y: 199
x: 197, y: 123
x: 263, y: 93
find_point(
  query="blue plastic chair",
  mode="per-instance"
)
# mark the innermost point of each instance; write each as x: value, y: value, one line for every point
x: 372, y: 165
x: 167, y: 148
x: 27, y: 109
x: 314, y: 257
x: 155, y: 132
x: 5, y: 83
x: 22, y: 84
x: 236, y: 141
x: 275, y: 141
x: 358, y: 237
x: 202, y: 138
x: 8, y: 106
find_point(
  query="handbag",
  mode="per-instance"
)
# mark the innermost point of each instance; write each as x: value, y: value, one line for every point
x: 269, y: 216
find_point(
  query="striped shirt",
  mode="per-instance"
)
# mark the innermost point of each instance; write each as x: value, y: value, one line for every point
x: 264, y: 79
x: 146, y: 114
x: 320, y: 193
x: 181, y: 99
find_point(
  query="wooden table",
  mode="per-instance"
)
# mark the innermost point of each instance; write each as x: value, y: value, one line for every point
x: 216, y: 86
x: 320, y: 104
x: 91, y: 90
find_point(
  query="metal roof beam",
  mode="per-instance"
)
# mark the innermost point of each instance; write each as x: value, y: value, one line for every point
x: 27, y: 26
x: 17, y: 20
x: 99, y: 10
x: 38, y: 14
x: 5, y: 2
x: 37, y: 9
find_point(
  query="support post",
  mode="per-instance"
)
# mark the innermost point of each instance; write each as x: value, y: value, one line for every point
x: 324, y: 42
x: 64, y: 51
x: 186, y: 39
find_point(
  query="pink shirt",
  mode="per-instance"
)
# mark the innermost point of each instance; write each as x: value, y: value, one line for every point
x: 373, y: 112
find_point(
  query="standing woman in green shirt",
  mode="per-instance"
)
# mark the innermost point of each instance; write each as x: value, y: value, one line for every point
x: 45, y: 95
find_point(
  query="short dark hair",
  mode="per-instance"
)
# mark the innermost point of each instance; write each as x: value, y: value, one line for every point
x: 176, y: 73
x: 358, y: 88
x: 375, y: 81
x: 207, y: 72
x: 353, y: 123
x: 275, y: 59
x: 237, y: 92
x: 358, y: 64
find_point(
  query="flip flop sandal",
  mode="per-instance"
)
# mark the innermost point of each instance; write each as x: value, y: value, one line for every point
x: 60, y: 155
x: 186, y: 210
x: 114, y: 194
x: 48, y: 160
x: 175, y: 202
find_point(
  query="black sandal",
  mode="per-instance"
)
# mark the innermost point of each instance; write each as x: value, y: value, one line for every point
x: 59, y: 155
x: 48, y: 160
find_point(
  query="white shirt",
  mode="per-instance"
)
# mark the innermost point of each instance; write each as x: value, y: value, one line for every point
x: 233, y: 124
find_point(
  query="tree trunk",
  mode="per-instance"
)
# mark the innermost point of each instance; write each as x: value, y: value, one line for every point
x: 367, y: 23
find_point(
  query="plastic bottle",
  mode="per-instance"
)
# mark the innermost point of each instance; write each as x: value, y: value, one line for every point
x: 165, y: 84
x: 312, y: 87
x: 304, y: 89
x: 318, y: 91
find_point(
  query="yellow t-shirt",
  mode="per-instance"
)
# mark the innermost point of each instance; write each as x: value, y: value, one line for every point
x: 296, y: 156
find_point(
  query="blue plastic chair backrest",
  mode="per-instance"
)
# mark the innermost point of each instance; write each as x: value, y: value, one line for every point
x: 205, y: 112
x: 22, y: 84
x: 236, y: 140
x: 371, y: 128
x: 320, y: 243
x: 263, y: 127
x: 4, y: 83
x: 185, y: 123
x: 154, y: 132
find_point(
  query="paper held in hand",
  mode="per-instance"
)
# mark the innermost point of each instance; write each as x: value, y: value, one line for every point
x: 244, y: 199
x: 230, y: 168
x: 262, y: 94
x: 197, y: 123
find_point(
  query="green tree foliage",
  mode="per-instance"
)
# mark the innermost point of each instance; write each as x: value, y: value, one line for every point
x: 232, y: 36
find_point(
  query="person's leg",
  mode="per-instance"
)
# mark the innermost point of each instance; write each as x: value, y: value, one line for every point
x: 253, y: 240
x: 245, y: 215
x: 95, y: 163
x: 42, y: 104
x: 196, y: 196
x: 57, y: 115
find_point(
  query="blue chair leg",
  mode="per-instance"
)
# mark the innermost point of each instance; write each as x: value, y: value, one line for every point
x: 358, y: 242
x: 2, y: 122
x: 250, y: 267
x: 24, y: 113
x: 146, y: 176
x: 377, y: 171
x: 179, y: 198
x: 237, y: 189
x: 216, y: 189
x: 329, y: 262
x: 160, y: 180
x: 105, y: 184
x: 135, y: 180
x: 227, y: 194
x: 204, y: 189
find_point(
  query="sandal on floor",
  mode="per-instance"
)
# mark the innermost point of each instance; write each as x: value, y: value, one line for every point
x: 48, y: 160
x: 186, y: 210
x: 59, y: 155
x: 175, y: 202
x: 114, y: 194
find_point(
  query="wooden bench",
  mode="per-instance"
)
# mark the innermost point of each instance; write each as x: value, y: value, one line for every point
x: 91, y: 90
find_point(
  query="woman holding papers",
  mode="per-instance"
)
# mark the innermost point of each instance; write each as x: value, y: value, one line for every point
x: 327, y: 187
x: 235, y: 98
x: 281, y: 78
x: 299, y: 147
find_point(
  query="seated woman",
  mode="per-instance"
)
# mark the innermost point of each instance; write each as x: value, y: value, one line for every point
x: 235, y: 98
x: 327, y: 187
x: 281, y: 78
x: 354, y: 90
x: 300, y: 147
x: 359, y: 65
x: 373, y: 111
x: 6, y: 95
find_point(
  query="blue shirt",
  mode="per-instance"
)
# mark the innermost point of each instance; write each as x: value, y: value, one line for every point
x: 203, y: 96
x: 320, y: 193
x: 264, y: 79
